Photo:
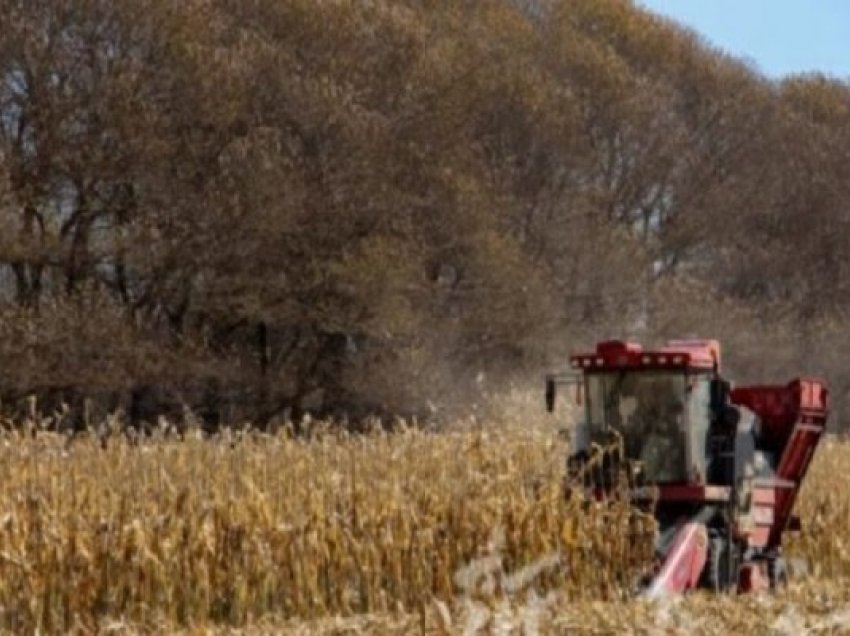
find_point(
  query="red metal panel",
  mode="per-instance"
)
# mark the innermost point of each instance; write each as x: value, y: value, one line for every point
x: 773, y: 482
x: 753, y: 577
x: 759, y: 537
x: 616, y: 347
x: 764, y: 496
x: 793, y: 465
x: 684, y: 562
x: 694, y: 493
x: 617, y: 354
x: 763, y: 515
x: 780, y: 407
x: 703, y: 353
x: 793, y: 418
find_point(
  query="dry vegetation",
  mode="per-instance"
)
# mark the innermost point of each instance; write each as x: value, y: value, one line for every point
x: 341, y: 534
x: 266, y: 208
x: 259, y: 210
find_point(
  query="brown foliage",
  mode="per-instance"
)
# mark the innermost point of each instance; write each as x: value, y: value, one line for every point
x: 355, y: 207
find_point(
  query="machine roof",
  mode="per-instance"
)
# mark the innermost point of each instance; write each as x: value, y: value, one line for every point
x: 695, y: 354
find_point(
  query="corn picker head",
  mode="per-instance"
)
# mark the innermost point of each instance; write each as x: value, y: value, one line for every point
x: 719, y: 468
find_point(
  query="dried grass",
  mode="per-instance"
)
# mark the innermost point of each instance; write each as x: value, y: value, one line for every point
x: 382, y: 533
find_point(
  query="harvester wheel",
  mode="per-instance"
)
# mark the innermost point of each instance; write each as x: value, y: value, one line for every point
x: 718, y: 569
x: 777, y: 570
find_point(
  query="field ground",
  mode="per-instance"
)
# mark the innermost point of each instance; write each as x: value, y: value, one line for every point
x: 805, y: 608
x: 385, y: 534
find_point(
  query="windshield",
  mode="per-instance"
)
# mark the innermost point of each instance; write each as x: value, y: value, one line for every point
x: 647, y: 409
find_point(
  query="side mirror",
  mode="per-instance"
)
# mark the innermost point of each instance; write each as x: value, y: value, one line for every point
x: 550, y: 393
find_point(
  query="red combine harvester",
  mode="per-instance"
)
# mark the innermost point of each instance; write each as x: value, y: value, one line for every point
x: 719, y: 467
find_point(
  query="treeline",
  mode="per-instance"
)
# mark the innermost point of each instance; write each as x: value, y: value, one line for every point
x: 260, y: 209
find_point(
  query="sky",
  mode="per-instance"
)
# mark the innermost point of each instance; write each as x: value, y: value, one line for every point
x: 780, y: 37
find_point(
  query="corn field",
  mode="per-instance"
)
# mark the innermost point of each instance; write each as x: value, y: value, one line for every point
x: 232, y: 530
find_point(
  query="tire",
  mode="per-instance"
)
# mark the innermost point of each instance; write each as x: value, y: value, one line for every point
x: 777, y: 570
x: 720, y: 574
x: 714, y: 575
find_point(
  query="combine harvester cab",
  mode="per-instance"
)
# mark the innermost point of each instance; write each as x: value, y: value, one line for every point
x: 719, y: 468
